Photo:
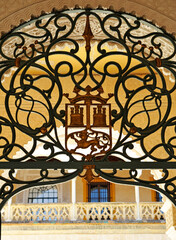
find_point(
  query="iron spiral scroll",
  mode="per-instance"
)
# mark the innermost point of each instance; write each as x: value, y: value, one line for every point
x: 90, y: 51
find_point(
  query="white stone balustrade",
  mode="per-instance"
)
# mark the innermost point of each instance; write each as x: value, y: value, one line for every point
x: 62, y: 212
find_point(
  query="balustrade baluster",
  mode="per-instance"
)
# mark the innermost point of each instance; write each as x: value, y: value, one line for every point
x: 82, y: 212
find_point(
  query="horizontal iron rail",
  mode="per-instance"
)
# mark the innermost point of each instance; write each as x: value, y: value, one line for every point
x: 78, y: 165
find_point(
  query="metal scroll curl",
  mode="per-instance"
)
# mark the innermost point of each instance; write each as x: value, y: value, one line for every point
x: 165, y: 184
x: 108, y: 79
x: 11, y: 184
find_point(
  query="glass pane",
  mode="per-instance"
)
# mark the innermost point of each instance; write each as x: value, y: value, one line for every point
x: 34, y: 200
x: 103, y: 194
x: 94, y: 194
x: 45, y: 200
x: 51, y: 194
x: 45, y: 194
x: 40, y: 200
x: 55, y: 195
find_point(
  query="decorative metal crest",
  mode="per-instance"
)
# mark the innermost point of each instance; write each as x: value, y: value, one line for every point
x: 88, y: 141
x: 87, y: 50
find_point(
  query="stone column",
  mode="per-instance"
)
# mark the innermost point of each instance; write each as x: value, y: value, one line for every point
x: 73, y: 198
x: 137, y: 198
x: 138, y: 217
x: 74, y: 190
x: 9, y: 215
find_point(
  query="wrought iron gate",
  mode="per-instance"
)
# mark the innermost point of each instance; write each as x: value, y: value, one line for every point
x: 87, y: 51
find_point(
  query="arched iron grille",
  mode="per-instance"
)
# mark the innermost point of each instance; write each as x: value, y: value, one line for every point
x: 88, y: 51
x: 45, y: 194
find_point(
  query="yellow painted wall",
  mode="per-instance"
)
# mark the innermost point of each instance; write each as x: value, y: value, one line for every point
x: 146, y: 194
x: 79, y: 190
x: 124, y: 193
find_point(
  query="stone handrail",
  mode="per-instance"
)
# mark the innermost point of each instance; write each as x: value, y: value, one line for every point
x: 66, y: 212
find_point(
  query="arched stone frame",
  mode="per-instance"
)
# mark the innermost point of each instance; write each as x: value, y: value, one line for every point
x: 105, y: 177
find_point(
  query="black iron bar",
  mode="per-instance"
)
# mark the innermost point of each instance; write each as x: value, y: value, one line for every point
x: 79, y: 165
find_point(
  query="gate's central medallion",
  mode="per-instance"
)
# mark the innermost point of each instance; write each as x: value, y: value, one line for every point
x: 88, y: 124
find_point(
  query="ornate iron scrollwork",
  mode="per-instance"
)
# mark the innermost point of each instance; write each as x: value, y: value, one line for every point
x: 44, y: 59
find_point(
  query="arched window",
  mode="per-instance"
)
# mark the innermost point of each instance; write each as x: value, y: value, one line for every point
x: 45, y: 194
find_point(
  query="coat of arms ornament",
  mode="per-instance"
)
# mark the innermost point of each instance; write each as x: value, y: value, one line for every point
x: 86, y: 117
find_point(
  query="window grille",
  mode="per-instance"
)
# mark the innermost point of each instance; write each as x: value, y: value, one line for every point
x: 45, y: 194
